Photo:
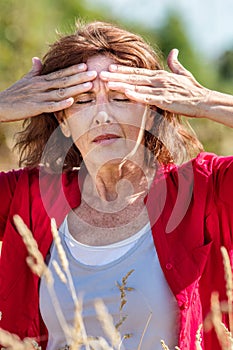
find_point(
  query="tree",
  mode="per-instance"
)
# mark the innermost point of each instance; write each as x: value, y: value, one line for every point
x: 26, y: 29
x: 225, y: 65
x: 173, y: 34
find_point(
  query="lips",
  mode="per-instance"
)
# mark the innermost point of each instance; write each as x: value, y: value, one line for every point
x: 105, y: 138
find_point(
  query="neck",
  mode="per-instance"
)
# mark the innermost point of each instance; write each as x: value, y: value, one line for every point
x: 115, y: 185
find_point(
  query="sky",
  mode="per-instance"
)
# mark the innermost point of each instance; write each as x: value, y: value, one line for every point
x: 209, y: 23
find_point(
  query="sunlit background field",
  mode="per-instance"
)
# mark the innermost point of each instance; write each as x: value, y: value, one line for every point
x: 201, y: 30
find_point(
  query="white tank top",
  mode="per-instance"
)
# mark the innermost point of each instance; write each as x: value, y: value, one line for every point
x: 99, y: 255
x: 150, y: 306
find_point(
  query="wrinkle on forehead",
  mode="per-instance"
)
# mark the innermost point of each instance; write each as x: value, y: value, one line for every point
x: 99, y: 63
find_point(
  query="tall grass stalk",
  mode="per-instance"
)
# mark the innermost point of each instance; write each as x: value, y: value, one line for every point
x: 229, y: 285
x: 77, y: 334
x: 65, y: 265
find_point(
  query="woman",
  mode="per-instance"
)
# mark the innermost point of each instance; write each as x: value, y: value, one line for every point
x: 132, y: 218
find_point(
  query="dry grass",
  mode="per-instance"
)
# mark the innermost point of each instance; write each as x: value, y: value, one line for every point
x: 12, y: 342
x: 76, y: 335
x: 229, y: 284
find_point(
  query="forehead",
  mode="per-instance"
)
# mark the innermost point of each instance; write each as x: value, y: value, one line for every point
x: 99, y: 63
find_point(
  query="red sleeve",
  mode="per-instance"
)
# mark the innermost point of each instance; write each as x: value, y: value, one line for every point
x: 220, y: 172
x: 8, y: 183
x: 223, y: 179
x: 217, y: 172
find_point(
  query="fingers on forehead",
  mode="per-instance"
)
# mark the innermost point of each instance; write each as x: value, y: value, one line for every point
x: 132, y: 70
x: 66, y: 72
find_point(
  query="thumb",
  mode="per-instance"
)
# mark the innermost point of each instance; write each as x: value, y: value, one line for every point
x: 36, y: 67
x: 174, y: 65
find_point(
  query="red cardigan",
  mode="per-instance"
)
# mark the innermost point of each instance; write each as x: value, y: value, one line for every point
x: 190, y: 209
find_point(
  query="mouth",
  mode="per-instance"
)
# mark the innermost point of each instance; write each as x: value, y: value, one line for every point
x: 106, y: 139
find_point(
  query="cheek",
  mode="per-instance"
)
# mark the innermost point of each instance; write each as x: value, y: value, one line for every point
x: 133, y: 116
x: 132, y: 131
x: 81, y: 142
x: 132, y: 120
x: 78, y: 128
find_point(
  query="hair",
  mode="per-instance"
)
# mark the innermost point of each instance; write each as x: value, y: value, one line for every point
x: 168, y: 141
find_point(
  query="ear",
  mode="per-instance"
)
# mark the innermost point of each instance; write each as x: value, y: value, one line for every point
x: 64, y: 125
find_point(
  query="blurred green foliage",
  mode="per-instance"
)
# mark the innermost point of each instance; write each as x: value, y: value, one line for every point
x: 27, y: 27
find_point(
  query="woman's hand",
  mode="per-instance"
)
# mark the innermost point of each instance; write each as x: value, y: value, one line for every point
x: 35, y: 93
x: 177, y: 92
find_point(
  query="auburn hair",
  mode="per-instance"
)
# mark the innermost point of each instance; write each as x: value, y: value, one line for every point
x: 41, y: 140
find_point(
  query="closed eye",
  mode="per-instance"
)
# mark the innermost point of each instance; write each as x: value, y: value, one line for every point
x: 83, y: 101
x: 121, y: 99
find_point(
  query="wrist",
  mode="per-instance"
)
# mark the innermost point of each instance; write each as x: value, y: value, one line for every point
x: 2, y: 112
x: 218, y: 107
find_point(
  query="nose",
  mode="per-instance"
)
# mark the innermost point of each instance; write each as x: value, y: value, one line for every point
x: 102, y: 117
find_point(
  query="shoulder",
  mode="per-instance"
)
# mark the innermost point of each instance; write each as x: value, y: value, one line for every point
x: 209, y: 163
x: 204, y: 164
x: 11, y: 179
x: 212, y: 174
x: 33, y: 176
x: 204, y: 169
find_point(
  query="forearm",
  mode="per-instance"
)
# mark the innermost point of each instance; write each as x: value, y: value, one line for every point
x: 218, y: 107
x: 8, y: 112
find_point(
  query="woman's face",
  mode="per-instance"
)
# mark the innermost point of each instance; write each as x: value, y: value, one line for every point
x: 104, y: 124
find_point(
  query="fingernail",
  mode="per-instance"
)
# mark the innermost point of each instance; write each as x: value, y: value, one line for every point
x: 81, y: 65
x: 91, y: 73
x: 113, y: 67
x: 104, y: 74
x: 87, y: 84
x: 69, y: 100
x: 176, y: 52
